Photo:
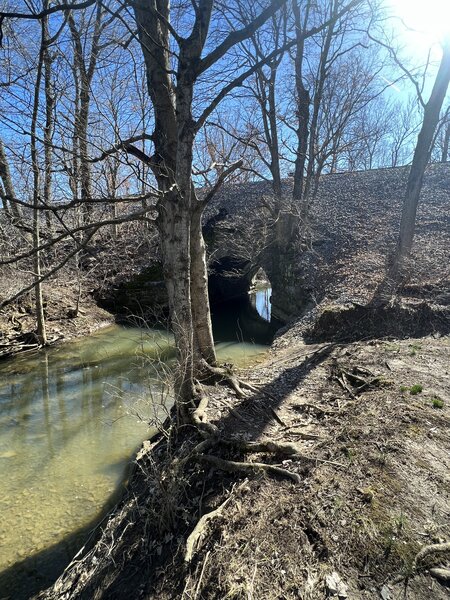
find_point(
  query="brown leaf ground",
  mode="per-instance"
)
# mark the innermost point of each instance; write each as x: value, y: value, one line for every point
x: 365, y: 519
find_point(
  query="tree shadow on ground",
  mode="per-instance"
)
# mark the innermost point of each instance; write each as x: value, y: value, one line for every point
x: 260, y: 405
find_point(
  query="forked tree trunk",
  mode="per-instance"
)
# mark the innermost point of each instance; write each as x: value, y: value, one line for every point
x: 179, y: 214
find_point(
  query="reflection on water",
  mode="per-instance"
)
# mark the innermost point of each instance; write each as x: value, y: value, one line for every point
x: 69, y: 420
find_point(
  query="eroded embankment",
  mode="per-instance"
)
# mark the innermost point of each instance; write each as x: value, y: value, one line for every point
x: 369, y: 421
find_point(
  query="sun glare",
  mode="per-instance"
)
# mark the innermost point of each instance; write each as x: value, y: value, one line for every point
x: 430, y: 18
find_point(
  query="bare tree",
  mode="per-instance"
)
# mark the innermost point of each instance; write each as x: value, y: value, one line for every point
x: 180, y: 209
x: 421, y: 157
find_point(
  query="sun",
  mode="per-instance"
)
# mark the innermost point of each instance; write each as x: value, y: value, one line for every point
x: 428, y: 17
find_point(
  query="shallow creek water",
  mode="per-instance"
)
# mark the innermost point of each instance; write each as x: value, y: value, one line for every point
x: 70, y: 418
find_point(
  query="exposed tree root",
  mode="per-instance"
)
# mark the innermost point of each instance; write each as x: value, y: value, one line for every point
x: 439, y: 573
x: 432, y: 549
x: 443, y: 575
x: 195, y: 539
x: 225, y: 374
x: 263, y: 446
x: 199, y: 417
x: 232, y: 466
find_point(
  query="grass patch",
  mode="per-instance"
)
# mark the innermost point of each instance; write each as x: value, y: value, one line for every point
x: 437, y: 403
x: 415, y: 389
x: 414, y: 348
x: 389, y: 347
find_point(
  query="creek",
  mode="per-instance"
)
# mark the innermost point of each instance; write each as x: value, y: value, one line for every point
x: 70, y: 419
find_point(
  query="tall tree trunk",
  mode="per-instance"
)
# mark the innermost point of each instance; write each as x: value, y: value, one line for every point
x: 5, y: 175
x: 40, y: 318
x: 303, y: 107
x: 445, y: 155
x: 275, y: 145
x: 421, y: 157
x: 49, y: 124
x: 174, y: 228
x: 201, y: 314
x: 171, y: 165
x: 84, y: 69
x: 317, y: 101
x: 179, y: 217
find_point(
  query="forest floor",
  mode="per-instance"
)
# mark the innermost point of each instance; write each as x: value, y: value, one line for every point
x: 370, y: 424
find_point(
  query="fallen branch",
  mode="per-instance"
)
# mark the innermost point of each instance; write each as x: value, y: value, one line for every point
x: 314, y: 407
x: 277, y: 417
x: 234, y: 411
x: 343, y: 383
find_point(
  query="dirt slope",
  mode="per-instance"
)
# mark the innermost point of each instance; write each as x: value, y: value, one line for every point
x: 370, y: 421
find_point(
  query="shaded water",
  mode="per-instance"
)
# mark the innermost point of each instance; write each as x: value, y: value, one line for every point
x: 70, y: 418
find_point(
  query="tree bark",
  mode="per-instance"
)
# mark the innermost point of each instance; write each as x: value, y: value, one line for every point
x: 421, y: 157
x: 445, y: 155
x: 201, y: 314
x: 40, y: 318
x: 9, y: 197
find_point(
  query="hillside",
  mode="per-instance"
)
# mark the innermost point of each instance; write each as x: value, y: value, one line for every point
x: 354, y: 226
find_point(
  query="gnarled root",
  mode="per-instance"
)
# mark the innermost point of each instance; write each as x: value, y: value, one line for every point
x: 225, y: 374
x: 263, y: 446
x: 427, y: 550
x: 199, y: 418
x: 232, y: 466
x: 195, y: 538
x: 442, y: 575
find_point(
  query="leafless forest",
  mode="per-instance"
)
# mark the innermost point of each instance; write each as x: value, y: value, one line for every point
x: 148, y: 140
